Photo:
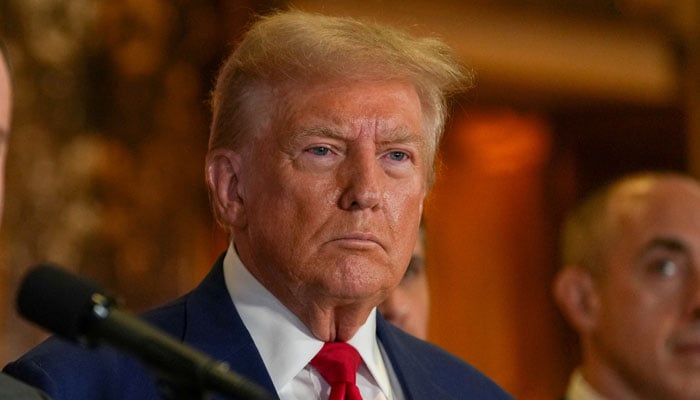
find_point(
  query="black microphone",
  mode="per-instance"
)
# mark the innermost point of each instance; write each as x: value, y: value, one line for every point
x: 80, y: 310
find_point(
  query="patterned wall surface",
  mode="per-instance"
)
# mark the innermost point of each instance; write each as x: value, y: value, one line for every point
x: 105, y: 169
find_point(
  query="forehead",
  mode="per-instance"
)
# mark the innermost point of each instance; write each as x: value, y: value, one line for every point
x: 388, y: 105
x: 667, y: 209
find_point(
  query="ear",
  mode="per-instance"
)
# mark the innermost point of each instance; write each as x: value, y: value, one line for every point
x: 576, y: 294
x: 223, y: 168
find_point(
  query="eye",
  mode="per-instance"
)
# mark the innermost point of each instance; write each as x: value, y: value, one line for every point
x: 319, y: 150
x: 665, y: 268
x: 398, y: 155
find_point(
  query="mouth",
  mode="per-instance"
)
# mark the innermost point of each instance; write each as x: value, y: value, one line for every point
x: 688, y: 348
x: 357, y: 240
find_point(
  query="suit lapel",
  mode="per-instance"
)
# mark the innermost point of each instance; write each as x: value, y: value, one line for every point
x: 214, y: 326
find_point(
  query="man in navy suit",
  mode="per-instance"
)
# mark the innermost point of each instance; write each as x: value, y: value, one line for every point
x: 321, y: 153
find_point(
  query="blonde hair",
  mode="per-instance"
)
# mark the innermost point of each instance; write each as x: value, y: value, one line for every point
x: 297, y: 48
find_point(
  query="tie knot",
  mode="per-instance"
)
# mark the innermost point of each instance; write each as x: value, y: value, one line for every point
x: 337, y: 362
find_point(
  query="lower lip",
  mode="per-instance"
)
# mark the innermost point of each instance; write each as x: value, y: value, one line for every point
x: 356, y: 243
x: 689, y: 352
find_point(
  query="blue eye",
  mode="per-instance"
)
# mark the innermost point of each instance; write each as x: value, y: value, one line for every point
x: 398, y: 155
x: 319, y: 150
x: 665, y: 268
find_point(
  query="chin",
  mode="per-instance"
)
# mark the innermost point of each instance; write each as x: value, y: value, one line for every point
x: 354, y: 277
x: 356, y: 290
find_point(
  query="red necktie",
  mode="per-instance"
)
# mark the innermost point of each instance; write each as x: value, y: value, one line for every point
x: 337, y: 362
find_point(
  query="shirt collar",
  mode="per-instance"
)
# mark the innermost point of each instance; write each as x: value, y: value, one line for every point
x: 580, y: 389
x: 285, y: 344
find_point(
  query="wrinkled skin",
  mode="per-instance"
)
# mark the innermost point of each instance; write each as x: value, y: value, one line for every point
x: 325, y: 204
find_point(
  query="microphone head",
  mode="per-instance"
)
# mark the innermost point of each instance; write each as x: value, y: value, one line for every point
x: 58, y: 301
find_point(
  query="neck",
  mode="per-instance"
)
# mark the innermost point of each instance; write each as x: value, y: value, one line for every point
x: 607, y: 381
x: 329, y: 318
x: 333, y: 323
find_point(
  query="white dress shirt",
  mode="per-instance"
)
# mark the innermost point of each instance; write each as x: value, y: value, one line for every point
x: 580, y: 389
x: 287, y: 346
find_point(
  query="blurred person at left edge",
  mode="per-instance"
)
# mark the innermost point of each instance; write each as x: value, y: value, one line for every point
x: 9, y: 387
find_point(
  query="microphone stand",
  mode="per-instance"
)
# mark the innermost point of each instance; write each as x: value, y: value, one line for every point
x: 185, y: 374
x: 79, y: 311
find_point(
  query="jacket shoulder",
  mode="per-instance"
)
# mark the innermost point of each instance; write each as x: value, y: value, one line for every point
x: 424, y: 368
x: 67, y: 369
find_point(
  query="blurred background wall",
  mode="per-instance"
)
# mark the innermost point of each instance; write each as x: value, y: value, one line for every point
x: 105, y: 169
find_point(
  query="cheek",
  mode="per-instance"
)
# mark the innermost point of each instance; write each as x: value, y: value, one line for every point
x: 322, y: 194
x: 637, y: 317
x: 404, y: 205
x: 308, y: 203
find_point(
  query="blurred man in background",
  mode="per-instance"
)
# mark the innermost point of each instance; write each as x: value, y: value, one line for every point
x: 408, y: 306
x: 630, y: 287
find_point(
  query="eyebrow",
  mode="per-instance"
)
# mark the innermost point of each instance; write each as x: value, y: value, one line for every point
x: 317, y: 131
x: 665, y: 243
x: 398, y: 135
x: 404, y: 136
x: 297, y: 135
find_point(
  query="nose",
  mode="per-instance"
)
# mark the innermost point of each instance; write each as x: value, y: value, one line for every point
x: 363, y: 177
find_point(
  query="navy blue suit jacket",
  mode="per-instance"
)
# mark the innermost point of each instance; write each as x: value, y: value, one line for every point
x: 207, y: 320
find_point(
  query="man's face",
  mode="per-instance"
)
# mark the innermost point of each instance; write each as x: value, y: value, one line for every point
x: 648, y: 326
x: 5, y: 109
x: 408, y: 305
x: 333, y: 195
